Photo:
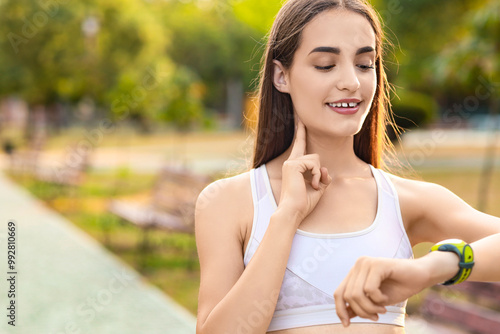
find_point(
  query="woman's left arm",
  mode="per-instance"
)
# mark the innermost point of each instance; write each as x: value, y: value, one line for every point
x: 376, y: 282
x: 433, y: 213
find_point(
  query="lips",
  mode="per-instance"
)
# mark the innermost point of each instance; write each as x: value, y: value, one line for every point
x: 345, y: 107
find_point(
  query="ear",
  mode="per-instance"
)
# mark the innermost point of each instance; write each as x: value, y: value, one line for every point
x: 280, y: 77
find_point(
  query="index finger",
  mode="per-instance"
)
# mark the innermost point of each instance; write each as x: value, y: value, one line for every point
x: 299, y: 143
x: 341, y: 305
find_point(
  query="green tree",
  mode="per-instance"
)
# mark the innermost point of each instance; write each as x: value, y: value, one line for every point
x: 258, y: 14
x: 222, y: 50
x: 476, y: 52
x: 419, y: 30
x: 102, y: 50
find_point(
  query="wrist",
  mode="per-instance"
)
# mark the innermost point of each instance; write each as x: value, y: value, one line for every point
x: 440, y: 266
x: 289, y: 218
x: 465, y: 254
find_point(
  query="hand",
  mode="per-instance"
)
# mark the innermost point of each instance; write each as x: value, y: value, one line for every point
x: 297, y: 193
x: 376, y: 282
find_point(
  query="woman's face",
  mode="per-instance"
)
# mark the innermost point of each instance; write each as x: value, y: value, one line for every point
x: 332, y: 80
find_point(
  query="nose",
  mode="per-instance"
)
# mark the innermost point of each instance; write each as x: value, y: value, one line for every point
x: 348, y: 80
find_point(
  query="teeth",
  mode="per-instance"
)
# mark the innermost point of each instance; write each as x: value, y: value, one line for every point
x: 343, y: 105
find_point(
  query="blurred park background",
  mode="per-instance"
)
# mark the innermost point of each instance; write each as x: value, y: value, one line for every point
x: 105, y: 105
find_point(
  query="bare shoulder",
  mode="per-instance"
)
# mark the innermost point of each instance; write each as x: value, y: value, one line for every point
x: 417, y: 197
x: 409, y: 186
x: 226, y: 203
x: 417, y: 190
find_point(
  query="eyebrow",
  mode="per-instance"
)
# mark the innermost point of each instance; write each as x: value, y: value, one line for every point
x: 336, y: 50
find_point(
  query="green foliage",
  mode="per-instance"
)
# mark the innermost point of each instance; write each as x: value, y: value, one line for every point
x: 165, y: 92
x: 258, y: 14
x: 209, y: 40
x: 171, y: 61
x: 183, y: 99
x: 441, y: 47
x: 476, y: 53
x: 101, y: 50
x: 57, y: 58
x: 418, y: 30
x: 35, y: 53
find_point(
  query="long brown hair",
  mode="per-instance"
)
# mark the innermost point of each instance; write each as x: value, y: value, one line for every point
x: 275, y: 129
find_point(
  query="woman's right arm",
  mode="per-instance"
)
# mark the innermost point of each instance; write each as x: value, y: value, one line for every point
x: 234, y: 299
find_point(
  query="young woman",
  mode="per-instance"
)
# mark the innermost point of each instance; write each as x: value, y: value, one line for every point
x: 276, y: 242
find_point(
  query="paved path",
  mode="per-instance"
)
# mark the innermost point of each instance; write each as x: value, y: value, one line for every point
x: 67, y: 282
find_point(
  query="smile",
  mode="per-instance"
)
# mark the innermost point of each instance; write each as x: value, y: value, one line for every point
x: 344, y: 105
x: 344, y: 108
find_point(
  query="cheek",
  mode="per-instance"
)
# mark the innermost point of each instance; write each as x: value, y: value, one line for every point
x: 308, y: 86
x: 304, y: 81
x: 303, y: 90
x: 369, y: 87
x: 369, y: 84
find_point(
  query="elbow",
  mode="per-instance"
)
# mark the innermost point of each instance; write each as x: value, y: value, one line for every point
x: 200, y: 328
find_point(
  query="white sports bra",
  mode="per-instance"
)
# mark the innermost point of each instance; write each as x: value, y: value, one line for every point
x: 319, y: 262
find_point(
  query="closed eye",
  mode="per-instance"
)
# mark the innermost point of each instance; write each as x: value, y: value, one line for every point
x: 324, y: 68
x: 366, y: 67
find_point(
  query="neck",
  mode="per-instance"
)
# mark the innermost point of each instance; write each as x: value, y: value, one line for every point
x: 335, y: 153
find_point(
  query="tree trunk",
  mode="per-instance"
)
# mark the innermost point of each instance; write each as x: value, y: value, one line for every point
x: 234, y: 102
x: 489, y: 159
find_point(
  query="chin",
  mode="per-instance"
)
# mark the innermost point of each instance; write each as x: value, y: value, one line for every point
x: 343, y: 131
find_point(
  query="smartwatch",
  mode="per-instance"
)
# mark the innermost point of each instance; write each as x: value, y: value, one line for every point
x: 464, y: 252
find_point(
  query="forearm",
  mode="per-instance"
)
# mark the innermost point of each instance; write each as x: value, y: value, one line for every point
x: 487, y: 259
x: 250, y: 303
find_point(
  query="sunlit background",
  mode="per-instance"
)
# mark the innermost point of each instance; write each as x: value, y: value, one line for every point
x: 116, y: 113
